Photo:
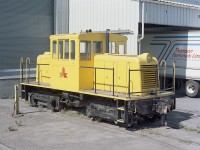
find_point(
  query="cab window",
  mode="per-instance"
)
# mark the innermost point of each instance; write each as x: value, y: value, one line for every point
x: 60, y: 49
x: 66, y: 49
x: 72, y: 49
x: 112, y: 47
x: 121, y: 49
x: 85, y: 50
x: 98, y: 46
x: 54, y: 47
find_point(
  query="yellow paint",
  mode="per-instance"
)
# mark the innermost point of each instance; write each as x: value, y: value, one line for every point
x: 66, y: 74
x: 65, y: 70
x: 121, y: 65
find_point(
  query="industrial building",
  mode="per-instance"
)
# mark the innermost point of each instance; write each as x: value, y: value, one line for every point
x: 26, y: 24
x: 158, y: 16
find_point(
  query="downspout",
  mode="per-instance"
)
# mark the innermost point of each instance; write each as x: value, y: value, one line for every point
x: 142, y: 37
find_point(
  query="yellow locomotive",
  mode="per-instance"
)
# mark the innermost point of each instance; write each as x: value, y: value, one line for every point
x: 92, y: 70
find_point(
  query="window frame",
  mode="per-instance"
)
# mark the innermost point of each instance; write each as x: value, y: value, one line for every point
x: 59, y: 50
x: 74, y: 49
x: 101, y: 47
x: 84, y: 56
x: 54, y: 47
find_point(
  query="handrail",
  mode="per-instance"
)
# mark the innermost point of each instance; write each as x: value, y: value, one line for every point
x: 150, y: 70
x: 141, y: 70
x: 27, y: 70
x: 95, y: 73
x: 38, y: 65
x: 21, y: 69
x: 165, y: 65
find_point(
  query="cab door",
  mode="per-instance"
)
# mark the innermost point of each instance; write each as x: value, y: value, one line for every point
x: 64, y: 65
x: 86, y: 75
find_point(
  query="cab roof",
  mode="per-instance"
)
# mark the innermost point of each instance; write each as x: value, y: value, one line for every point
x: 86, y: 35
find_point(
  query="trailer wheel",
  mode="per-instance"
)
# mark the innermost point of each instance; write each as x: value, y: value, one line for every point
x: 192, y: 88
x: 179, y: 84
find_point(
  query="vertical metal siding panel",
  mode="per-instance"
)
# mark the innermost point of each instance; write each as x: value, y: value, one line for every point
x: 153, y: 16
x: 196, y: 2
x: 65, y: 16
x: 162, y: 14
x: 165, y: 7
x: 156, y: 18
x: 61, y: 16
x: 172, y: 17
x: 169, y: 14
x: 132, y: 22
x: 151, y: 12
x: 189, y: 18
x: 179, y: 19
x: 185, y: 18
x: 182, y: 16
x: 196, y: 18
x: 176, y: 11
x: 121, y: 13
x: 147, y: 18
x: 193, y: 20
x: 134, y: 27
x: 182, y: 21
x: 177, y: 15
x: 159, y: 12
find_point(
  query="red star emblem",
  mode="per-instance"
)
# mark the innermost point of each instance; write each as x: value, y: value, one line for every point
x: 63, y: 73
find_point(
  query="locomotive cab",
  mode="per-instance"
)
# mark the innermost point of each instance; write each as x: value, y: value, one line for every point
x: 61, y: 67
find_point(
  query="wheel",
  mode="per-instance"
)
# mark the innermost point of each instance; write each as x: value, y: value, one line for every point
x: 192, y: 88
x: 179, y: 84
x: 33, y: 102
x: 51, y: 104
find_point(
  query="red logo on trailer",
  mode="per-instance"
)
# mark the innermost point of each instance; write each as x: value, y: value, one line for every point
x: 63, y: 73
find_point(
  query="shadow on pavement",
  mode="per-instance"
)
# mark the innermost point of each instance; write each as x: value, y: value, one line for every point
x: 174, y: 120
x: 176, y: 117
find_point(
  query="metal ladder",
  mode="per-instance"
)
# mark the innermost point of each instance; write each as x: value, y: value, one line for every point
x: 122, y: 112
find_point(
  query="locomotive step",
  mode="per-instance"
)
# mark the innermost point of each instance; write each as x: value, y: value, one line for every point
x: 120, y: 120
x: 121, y: 108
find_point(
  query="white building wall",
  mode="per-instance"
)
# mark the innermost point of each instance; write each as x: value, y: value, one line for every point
x: 100, y: 15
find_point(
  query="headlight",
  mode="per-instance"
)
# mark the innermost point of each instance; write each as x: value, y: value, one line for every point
x: 149, y: 58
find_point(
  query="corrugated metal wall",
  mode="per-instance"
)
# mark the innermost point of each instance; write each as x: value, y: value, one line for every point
x: 61, y: 16
x: 170, y: 15
x: 196, y: 2
x: 25, y: 26
x: 100, y: 15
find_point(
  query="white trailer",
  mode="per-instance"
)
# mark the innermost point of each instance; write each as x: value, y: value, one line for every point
x: 184, y: 49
